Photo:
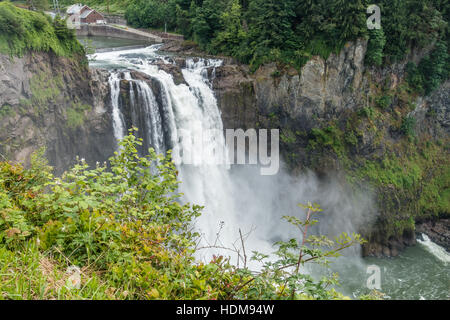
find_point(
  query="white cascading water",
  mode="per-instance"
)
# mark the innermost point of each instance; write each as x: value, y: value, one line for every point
x: 118, y: 123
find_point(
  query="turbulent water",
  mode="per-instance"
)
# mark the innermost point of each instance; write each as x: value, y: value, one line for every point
x: 239, y: 198
x: 419, y: 273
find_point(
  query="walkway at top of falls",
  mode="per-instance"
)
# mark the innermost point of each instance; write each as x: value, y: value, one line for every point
x: 108, y: 30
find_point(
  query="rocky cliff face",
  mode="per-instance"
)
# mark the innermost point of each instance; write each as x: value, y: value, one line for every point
x: 366, y: 125
x: 56, y: 103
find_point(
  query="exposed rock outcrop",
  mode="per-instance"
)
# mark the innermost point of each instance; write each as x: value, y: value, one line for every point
x: 437, y: 231
x: 56, y: 103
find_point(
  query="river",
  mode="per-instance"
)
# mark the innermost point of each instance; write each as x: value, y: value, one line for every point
x: 240, y: 198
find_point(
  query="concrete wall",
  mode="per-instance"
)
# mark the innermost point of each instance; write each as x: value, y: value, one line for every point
x: 115, y: 19
x: 109, y: 31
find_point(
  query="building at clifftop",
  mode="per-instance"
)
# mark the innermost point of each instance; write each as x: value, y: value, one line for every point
x: 79, y: 13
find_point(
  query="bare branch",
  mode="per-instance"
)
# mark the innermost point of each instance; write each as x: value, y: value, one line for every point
x: 243, y: 248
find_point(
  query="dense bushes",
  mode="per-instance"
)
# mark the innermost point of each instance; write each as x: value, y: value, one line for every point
x: 22, y: 30
x: 151, y: 14
x: 257, y: 31
x: 375, y: 47
x: 431, y: 71
x: 128, y: 234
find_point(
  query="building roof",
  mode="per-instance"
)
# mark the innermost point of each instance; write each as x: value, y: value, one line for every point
x: 75, y: 8
x: 86, y: 13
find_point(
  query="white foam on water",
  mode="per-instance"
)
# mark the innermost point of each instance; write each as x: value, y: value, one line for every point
x: 436, y: 250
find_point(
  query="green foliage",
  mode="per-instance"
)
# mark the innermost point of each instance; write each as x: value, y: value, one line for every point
x: 329, y: 137
x: 415, y: 78
x: 232, y: 38
x: 375, y: 47
x: 257, y: 31
x: 408, y: 126
x: 23, y: 30
x: 431, y: 72
x: 384, y: 101
x: 419, y: 173
x: 76, y: 115
x: 410, y: 23
x: 392, y: 171
x: 366, y: 112
x: 6, y: 111
x: 435, y: 195
x: 288, y: 137
x: 287, y: 31
x: 126, y: 231
x: 151, y: 14
x: 433, y: 67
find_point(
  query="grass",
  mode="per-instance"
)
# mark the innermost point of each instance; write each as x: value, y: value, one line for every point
x: 30, y: 274
x: 76, y: 115
x: 45, y: 88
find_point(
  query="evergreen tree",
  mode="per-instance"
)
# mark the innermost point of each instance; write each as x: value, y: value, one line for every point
x: 233, y: 38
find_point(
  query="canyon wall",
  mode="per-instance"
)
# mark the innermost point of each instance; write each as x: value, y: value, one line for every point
x: 56, y: 103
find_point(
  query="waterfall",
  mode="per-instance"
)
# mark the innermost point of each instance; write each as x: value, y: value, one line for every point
x: 236, y: 198
x: 118, y: 122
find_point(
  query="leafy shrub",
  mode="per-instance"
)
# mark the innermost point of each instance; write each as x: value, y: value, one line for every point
x: 377, y: 41
x: 415, y: 78
x: 431, y: 72
x: 384, y: 101
x: 408, y: 126
x: 329, y: 137
x: 366, y: 112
